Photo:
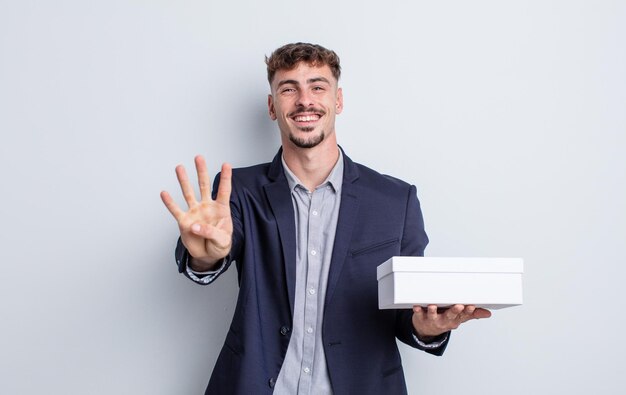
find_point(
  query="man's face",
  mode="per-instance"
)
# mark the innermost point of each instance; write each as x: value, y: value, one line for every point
x: 305, y: 101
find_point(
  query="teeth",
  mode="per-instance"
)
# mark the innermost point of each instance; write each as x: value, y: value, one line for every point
x: 307, y: 118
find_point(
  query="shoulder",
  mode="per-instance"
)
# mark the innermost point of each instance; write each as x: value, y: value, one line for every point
x: 369, y: 178
x: 245, y: 178
x: 251, y: 177
x: 251, y: 171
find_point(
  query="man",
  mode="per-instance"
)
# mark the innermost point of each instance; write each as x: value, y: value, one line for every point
x: 307, y: 232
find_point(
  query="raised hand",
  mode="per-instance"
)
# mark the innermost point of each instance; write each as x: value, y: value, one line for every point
x: 206, y: 228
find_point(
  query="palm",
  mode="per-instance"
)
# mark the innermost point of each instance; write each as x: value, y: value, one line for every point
x: 210, y: 215
x: 206, y: 227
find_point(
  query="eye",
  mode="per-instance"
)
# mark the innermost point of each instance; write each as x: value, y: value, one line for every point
x: 318, y: 88
x: 287, y: 90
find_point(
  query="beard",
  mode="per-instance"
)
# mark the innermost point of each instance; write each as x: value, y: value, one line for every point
x: 307, y: 142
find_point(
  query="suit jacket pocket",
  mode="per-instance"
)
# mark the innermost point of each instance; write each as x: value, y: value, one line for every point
x: 378, y: 245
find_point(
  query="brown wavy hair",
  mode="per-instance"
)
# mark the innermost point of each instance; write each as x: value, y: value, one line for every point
x: 288, y: 56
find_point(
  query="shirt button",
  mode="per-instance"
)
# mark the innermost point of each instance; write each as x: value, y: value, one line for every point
x: 313, y: 252
x: 284, y: 330
x: 309, y: 330
x: 312, y: 291
x: 306, y: 370
x: 314, y: 212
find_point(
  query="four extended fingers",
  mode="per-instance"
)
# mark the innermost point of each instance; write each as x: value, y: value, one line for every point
x: 204, y: 182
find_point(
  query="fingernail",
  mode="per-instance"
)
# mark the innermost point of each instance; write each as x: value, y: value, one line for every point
x: 195, y: 228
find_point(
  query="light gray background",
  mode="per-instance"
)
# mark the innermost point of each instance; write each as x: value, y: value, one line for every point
x: 508, y: 116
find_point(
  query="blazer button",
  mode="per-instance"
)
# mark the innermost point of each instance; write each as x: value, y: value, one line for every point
x: 271, y: 382
x: 284, y: 330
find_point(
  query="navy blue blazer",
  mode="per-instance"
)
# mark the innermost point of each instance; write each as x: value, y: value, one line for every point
x: 379, y: 217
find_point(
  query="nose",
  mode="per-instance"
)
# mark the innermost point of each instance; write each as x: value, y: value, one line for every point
x: 304, y: 99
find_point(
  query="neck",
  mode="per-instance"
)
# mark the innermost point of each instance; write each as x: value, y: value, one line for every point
x: 311, y: 165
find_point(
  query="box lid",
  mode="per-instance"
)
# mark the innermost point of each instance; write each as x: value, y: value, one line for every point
x: 449, y: 265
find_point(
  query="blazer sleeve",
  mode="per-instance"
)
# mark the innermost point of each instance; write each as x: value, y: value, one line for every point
x: 414, y: 242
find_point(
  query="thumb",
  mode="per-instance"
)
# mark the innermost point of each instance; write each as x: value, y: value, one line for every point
x: 216, y: 237
x: 203, y: 230
x: 196, y: 229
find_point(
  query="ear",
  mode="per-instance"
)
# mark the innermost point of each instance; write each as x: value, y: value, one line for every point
x: 339, y: 104
x: 270, y: 107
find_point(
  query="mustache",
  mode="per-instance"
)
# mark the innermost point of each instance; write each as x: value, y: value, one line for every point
x: 307, y: 110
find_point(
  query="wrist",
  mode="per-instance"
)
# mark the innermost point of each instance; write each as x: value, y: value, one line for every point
x: 427, y: 336
x: 424, y: 338
x: 202, y: 265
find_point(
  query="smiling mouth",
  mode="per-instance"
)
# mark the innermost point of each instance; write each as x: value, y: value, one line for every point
x: 306, y: 118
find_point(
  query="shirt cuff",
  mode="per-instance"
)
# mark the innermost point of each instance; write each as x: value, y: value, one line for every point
x: 208, y: 276
x: 430, y: 345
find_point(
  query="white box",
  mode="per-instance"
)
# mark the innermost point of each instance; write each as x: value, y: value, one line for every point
x: 491, y: 283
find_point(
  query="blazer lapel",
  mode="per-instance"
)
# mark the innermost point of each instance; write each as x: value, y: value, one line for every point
x: 279, y: 198
x: 348, y: 213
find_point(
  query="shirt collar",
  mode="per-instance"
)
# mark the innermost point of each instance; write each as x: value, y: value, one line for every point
x: 334, y: 179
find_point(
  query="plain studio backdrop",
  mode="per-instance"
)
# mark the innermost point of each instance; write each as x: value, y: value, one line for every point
x: 510, y: 117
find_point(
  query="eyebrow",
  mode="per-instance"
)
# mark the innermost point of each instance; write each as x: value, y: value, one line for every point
x: 309, y: 81
x: 318, y: 79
